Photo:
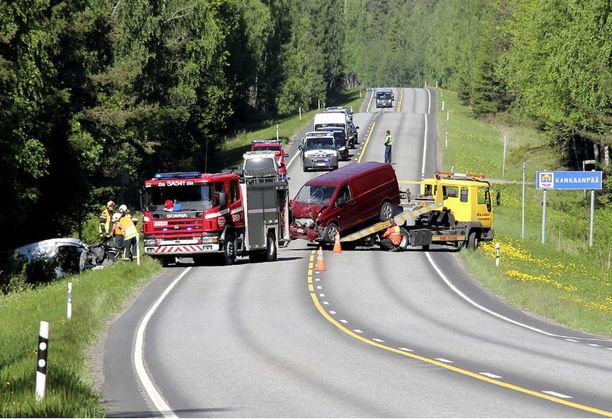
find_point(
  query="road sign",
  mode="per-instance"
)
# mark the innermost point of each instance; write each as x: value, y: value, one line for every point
x: 569, y: 180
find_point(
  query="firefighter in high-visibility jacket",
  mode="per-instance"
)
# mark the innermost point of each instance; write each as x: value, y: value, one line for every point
x: 391, y: 239
x: 106, y: 221
x: 129, y: 232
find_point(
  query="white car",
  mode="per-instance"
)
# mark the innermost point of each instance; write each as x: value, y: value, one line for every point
x: 319, y: 151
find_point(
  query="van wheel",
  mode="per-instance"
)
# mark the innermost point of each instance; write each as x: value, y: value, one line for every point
x: 329, y: 234
x: 472, y: 240
x: 386, y: 211
x: 271, y: 250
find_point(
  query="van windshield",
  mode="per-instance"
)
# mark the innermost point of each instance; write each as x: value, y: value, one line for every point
x: 314, y: 194
x: 383, y: 95
x: 319, y: 143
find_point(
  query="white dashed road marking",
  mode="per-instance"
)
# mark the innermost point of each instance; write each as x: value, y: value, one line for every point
x: 488, y: 374
x: 559, y: 395
x: 446, y: 361
x: 405, y: 349
x: 357, y: 331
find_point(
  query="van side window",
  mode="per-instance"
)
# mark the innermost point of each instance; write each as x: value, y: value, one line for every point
x: 464, y: 194
x: 344, y: 194
x: 451, y: 192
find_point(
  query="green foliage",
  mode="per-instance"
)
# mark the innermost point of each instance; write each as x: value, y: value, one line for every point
x: 562, y: 279
x: 97, y: 297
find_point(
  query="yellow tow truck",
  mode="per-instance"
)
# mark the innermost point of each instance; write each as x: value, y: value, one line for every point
x: 451, y: 209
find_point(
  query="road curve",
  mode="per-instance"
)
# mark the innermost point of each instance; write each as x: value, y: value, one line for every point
x: 377, y: 334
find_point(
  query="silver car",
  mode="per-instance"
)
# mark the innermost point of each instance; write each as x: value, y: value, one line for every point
x: 319, y: 152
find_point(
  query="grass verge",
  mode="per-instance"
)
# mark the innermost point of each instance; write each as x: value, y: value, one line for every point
x: 97, y: 297
x: 563, y: 279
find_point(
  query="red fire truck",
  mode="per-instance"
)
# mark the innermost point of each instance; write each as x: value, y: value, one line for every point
x: 193, y: 214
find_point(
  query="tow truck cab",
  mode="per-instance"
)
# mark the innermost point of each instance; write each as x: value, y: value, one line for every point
x: 468, y: 198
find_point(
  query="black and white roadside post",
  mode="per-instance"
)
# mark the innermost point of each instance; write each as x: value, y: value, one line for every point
x: 276, y: 132
x: 41, y: 364
x: 69, y: 303
x: 497, y: 254
x: 138, y: 249
x: 523, y: 205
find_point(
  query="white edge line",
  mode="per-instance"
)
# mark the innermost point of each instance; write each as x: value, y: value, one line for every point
x: 160, y: 403
x: 428, y: 100
x: 291, y: 161
x: 469, y: 300
x: 370, y: 101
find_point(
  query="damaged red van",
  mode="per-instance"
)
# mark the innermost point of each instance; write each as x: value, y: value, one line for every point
x: 343, y: 199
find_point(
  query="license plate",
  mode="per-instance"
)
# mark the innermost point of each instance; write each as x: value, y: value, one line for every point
x: 175, y: 242
x: 321, y: 164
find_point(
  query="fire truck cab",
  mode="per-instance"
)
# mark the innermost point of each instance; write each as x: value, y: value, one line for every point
x: 193, y: 214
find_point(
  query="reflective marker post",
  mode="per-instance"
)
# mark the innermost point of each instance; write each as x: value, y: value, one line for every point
x: 41, y: 364
x: 138, y: 249
x: 69, y: 305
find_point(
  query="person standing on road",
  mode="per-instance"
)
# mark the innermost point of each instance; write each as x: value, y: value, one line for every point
x: 388, y: 145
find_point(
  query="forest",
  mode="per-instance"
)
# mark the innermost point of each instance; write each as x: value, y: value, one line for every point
x: 96, y: 95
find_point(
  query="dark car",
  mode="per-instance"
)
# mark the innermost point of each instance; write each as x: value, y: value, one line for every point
x: 384, y: 98
x: 340, y: 138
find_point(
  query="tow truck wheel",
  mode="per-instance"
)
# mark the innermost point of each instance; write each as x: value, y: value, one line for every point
x: 271, y: 250
x: 405, y: 239
x: 386, y: 211
x: 472, y: 240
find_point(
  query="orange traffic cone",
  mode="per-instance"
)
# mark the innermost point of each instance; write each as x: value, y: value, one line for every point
x: 320, y: 265
x: 337, y: 246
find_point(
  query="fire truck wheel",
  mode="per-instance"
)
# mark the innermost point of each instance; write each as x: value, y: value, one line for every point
x: 271, y: 250
x: 472, y: 240
x: 229, y: 250
x: 167, y: 260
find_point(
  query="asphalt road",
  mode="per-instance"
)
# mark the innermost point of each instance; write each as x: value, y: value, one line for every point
x: 378, y: 334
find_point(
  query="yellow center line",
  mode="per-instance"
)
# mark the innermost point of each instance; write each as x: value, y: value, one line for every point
x: 462, y: 371
x: 398, y: 107
x: 365, y: 145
